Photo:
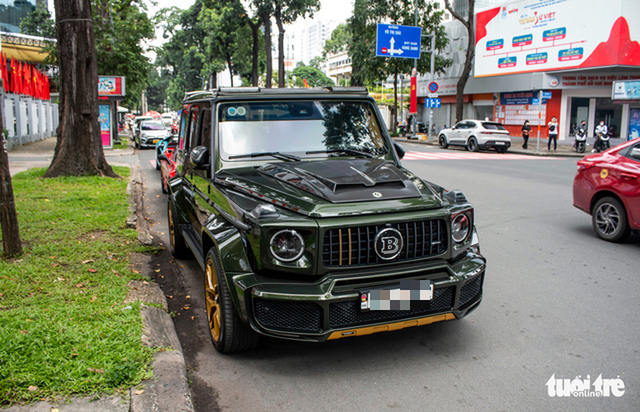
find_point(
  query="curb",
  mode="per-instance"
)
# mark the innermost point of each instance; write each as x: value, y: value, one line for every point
x: 136, y: 217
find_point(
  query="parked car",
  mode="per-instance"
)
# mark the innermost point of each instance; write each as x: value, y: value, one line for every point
x: 476, y: 135
x: 162, y: 145
x: 306, y: 225
x: 168, y: 166
x: 149, y: 133
x: 607, y: 186
x: 136, y: 124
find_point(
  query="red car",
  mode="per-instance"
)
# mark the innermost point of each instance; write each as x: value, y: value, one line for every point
x: 607, y: 186
x: 168, y: 166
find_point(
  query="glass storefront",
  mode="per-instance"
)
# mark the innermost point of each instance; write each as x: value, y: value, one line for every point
x: 611, y: 113
x: 579, y: 112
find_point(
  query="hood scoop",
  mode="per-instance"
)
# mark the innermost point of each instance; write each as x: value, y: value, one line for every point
x: 342, y: 181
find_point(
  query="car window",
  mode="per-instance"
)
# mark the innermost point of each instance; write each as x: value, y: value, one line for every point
x: 184, y: 119
x: 152, y: 126
x: 492, y: 126
x: 205, y: 128
x: 460, y: 125
x: 471, y: 125
x: 634, y: 152
x: 191, y: 137
x: 298, y: 127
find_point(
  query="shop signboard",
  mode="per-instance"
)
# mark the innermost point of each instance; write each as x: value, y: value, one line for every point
x: 545, y: 35
x: 626, y: 90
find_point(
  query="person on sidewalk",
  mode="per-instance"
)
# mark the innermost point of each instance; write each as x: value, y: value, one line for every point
x: 526, y: 129
x: 553, y: 134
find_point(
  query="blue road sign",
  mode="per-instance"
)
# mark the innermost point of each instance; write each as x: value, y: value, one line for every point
x: 430, y: 102
x: 398, y: 41
x: 433, y: 87
x: 546, y: 95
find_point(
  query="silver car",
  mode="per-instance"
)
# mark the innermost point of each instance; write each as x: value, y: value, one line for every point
x: 149, y: 133
x: 476, y: 135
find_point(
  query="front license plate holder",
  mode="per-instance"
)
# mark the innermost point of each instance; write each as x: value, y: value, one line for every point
x: 500, y: 143
x: 411, y: 294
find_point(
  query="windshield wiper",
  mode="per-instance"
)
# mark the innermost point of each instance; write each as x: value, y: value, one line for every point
x: 344, y: 151
x: 277, y: 155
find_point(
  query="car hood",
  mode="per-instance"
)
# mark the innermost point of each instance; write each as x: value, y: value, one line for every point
x: 335, y: 187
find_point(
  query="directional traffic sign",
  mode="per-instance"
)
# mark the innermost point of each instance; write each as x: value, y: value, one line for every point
x: 432, y: 103
x: 398, y: 41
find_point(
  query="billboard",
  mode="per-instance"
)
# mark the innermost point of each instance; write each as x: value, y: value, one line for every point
x: 626, y: 90
x: 111, y: 86
x: 545, y: 35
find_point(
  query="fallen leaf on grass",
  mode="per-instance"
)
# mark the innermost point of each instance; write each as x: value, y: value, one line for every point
x: 24, y: 332
x: 135, y: 271
x: 88, y: 261
x: 100, y: 371
x: 185, y: 307
x: 92, y: 270
x: 93, y: 299
x: 169, y: 296
x: 156, y: 270
x: 145, y: 282
x: 32, y: 388
x: 61, y: 279
x: 79, y: 285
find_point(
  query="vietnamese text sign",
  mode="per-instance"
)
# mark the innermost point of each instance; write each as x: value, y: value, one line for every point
x: 398, y: 41
x: 545, y: 35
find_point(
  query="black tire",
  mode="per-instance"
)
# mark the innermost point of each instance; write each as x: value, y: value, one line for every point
x: 472, y: 144
x: 228, y: 332
x: 581, y: 147
x: 179, y: 247
x: 609, y: 219
x: 442, y: 140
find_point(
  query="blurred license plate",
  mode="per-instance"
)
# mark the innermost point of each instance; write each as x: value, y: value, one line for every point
x: 410, y: 295
x: 154, y: 141
x: 499, y: 143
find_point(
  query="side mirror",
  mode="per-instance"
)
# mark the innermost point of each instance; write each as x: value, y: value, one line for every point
x: 399, y: 150
x: 199, y: 157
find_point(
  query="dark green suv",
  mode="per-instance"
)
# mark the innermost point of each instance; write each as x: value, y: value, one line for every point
x: 306, y: 224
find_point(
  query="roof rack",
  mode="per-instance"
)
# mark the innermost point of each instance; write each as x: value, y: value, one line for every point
x: 229, y: 91
x: 348, y: 89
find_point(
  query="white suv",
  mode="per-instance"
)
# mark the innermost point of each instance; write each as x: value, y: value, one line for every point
x: 476, y: 135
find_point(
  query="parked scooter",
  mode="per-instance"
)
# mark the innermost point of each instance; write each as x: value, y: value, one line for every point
x: 603, y: 142
x: 581, y: 141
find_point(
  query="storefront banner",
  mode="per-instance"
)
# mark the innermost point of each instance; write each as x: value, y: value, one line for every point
x: 105, y: 125
x: 626, y: 90
x: 634, y: 123
x: 519, y: 98
x: 545, y: 35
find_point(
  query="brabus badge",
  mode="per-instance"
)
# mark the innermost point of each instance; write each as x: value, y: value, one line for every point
x: 377, y: 194
x: 388, y: 243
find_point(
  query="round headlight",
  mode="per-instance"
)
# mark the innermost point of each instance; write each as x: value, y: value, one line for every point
x: 460, y: 228
x: 286, y: 245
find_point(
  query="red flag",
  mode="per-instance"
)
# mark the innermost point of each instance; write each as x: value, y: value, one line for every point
x: 14, y: 83
x: 35, y: 76
x: 47, y: 89
x: 20, y: 80
x: 27, y: 77
x: 3, y: 67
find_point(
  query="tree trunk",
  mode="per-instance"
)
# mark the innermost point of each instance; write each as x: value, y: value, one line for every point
x: 255, y: 51
x: 8, y: 216
x: 278, y: 16
x: 230, y: 65
x: 79, y: 146
x: 266, y: 21
x: 468, y: 62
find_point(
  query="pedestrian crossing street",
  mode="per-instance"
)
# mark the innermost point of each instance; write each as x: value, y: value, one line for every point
x: 460, y: 155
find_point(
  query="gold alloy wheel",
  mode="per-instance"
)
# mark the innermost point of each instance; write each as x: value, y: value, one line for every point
x: 171, y: 230
x: 212, y: 296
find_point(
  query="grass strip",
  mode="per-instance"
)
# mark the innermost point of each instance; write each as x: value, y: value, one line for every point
x: 64, y: 328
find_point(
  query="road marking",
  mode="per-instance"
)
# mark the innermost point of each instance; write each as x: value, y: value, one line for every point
x: 468, y: 156
x: 153, y: 163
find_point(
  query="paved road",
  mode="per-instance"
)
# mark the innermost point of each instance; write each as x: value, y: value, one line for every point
x: 558, y: 301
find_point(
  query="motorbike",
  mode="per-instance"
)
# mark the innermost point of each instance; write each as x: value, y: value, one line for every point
x: 603, y: 142
x: 581, y: 141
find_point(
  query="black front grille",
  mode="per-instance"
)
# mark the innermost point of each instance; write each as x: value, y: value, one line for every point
x: 344, y: 314
x: 470, y: 290
x: 354, y: 246
x: 288, y: 316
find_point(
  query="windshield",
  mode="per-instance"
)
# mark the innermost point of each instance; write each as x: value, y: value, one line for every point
x: 152, y: 126
x: 298, y: 127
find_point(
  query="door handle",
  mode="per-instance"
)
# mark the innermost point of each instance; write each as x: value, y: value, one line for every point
x: 628, y: 176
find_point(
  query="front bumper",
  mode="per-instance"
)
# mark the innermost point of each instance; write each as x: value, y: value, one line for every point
x: 150, y: 141
x: 330, y: 308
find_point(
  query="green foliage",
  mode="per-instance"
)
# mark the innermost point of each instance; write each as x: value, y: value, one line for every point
x: 64, y: 328
x: 339, y: 41
x: 120, y: 28
x: 39, y: 23
x: 314, y: 77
